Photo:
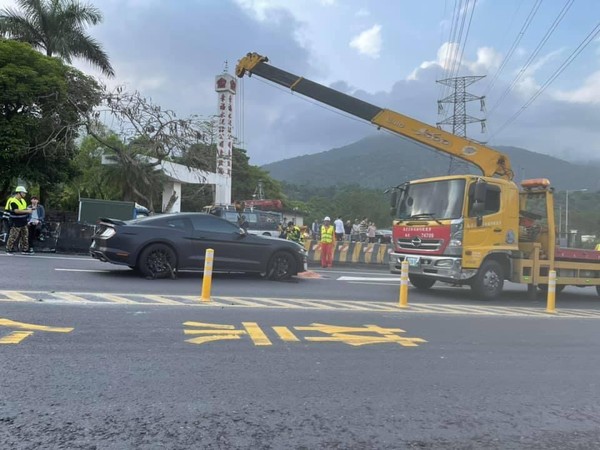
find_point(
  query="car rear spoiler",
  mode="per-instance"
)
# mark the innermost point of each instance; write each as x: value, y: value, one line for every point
x: 111, y: 221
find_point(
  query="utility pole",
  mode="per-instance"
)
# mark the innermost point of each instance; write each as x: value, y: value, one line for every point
x: 459, y: 98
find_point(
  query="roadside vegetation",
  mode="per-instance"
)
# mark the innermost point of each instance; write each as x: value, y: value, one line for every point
x: 53, y: 132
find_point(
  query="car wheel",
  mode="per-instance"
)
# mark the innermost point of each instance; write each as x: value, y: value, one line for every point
x: 158, y: 261
x: 281, y: 266
x: 421, y: 282
x: 489, y: 280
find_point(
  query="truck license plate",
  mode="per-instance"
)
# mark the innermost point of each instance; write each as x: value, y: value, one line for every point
x: 413, y: 261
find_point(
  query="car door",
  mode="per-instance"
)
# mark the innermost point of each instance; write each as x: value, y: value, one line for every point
x: 234, y: 251
x: 180, y: 233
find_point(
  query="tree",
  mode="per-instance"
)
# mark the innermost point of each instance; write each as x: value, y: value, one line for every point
x: 41, y: 105
x: 58, y: 28
x: 145, y: 137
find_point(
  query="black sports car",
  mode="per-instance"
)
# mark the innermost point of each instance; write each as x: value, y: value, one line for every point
x: 158, y: 246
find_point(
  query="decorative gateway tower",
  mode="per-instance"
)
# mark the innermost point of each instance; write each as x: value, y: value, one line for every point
x: 225, y: 86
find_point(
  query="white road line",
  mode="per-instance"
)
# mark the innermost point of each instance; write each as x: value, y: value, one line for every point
x: 82, y: 270
x: 367, y: 279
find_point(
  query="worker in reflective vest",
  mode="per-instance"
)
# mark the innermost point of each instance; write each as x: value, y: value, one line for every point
x: 327, y: 243
x: 18, y: 214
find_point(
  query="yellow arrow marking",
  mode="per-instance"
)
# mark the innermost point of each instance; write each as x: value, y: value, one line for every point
x: 15, y: 337
x: 30, y: 326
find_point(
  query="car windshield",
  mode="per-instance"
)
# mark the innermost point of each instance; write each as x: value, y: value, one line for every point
x: 432, y: 200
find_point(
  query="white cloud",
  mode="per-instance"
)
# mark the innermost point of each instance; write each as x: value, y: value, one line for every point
x: 445, y: 55
x: 368, y: 42
x: 362, y: 12
x: 259, y: 8
x: 448, y: 54
x: 588, y: 93
x: 526, y: 83
x: 487, y: 59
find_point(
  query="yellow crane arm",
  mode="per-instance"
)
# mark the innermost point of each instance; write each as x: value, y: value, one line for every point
x: 491, y: 162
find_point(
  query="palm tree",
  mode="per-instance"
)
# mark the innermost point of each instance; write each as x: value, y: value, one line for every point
x: 57, y: 27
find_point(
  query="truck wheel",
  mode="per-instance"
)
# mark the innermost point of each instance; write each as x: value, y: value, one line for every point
x: 420, y: 282
x: 158, y: 261
x: 489, y: 280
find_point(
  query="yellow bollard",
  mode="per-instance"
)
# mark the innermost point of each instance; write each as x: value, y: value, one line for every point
x: 551, y: 303
x: 404, y: 285
x: 207, y: 276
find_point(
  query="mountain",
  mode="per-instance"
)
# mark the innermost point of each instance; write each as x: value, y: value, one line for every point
x: 384, y: 160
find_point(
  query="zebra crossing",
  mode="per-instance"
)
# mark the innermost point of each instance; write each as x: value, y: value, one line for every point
x: 128, y: 299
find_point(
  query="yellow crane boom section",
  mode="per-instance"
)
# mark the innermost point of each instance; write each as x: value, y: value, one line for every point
x: 491, y: 162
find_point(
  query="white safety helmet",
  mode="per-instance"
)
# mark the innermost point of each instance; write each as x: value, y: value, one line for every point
x: 326, y: 219
x: 21, y: 189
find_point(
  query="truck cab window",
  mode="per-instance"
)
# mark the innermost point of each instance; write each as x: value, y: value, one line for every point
x: 492, y: 200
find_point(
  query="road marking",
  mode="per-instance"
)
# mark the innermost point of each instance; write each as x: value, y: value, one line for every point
x: 117, y: 299
x: 256, y: 334
x: 15, y: 337
x: 346, y: 305
x: 312, y: 304
x: 114, y: 299
x: 69, y: 297
x: 285, y: 334
x: 163, y: 300
x: 282, y: 303
x: 344, y: 278
x: 17, y: 296
x: 82, y: 270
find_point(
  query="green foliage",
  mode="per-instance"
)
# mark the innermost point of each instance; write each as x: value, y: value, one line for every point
x: 244, y: 182
x: 40, y: 102
x: 57, y: 27
x: 350, y: 202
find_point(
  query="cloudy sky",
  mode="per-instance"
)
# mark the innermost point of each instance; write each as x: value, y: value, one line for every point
x: 387, y: 52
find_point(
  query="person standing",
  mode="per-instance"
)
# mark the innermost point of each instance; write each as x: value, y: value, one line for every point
x: 292, y: 233
x: 339, y: 229
x: 363, y: 225
x: 18, y: 212
x: 35, y: 219
x: 315, y: 229
x: 327, y: 243
x: 347, y: 230
x: 371, y: 229
x: 354, y: 237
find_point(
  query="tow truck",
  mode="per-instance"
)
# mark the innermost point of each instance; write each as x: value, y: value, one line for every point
x: 475, y: 230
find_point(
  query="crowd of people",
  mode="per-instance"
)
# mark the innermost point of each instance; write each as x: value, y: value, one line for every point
x: 25, y: 221
x: 358, y: 231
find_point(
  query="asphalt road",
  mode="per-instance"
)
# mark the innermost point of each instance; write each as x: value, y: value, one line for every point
x: 117, y: 362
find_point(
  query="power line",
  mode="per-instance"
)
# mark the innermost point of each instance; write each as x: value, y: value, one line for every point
x: 451, y: 40
x: 586, y: 41
x: 515, y: 43
x: 454, y: 53
x: 534, y: 54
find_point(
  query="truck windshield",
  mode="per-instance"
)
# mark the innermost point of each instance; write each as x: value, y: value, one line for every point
x: 432, y: 200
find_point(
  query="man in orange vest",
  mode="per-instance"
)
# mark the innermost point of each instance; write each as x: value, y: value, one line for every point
x: 327, y: 243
